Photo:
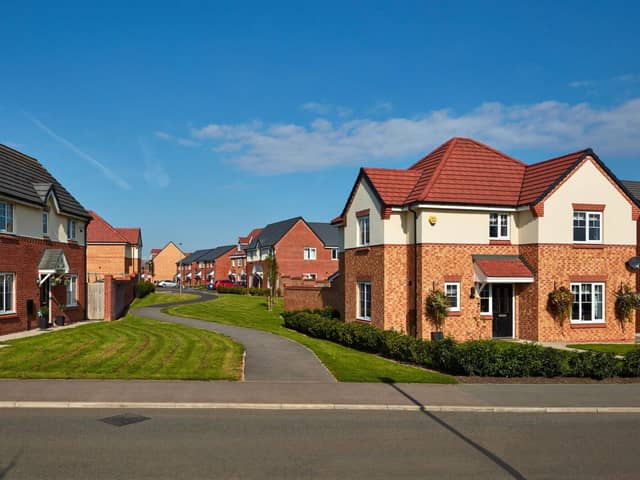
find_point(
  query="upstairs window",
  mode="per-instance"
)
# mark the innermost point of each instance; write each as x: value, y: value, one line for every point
x: 71, y: 229
x: 310, y: 253
x: 334, y: 254
x: 587, y: 227
x: 452, y: 292
x: 6, y: 217
x: 45, y: 223
x: 363, y: 231
x: 499, y: 226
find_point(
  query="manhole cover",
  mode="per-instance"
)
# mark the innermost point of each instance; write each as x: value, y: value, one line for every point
x: 124, y: 419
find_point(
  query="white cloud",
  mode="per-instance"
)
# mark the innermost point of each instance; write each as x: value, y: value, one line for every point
x: 185, y: 142
x: 382, y: 107
x: 106, y: 171
x: 550, y: 126
x: 629, y: 78
x: 581, y: 83
x: 317, y: 107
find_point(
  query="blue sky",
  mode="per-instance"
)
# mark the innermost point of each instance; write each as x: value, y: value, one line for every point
x: 200, y: 121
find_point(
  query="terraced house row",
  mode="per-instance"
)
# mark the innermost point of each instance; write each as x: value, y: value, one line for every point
x: 496, y: 236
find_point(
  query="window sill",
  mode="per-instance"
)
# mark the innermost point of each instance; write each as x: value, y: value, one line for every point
x: 363, y: 320
x: 362, y: 250
x: 588, y: 325
x: 8, y: 316
x: 486, y: 316
x: 589, y: 246
x: 455, y: 313
x: 496, y: 241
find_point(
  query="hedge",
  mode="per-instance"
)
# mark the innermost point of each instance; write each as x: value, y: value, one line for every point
x: 258, y: 292
x: 144, y: 288
x: 478, y: 357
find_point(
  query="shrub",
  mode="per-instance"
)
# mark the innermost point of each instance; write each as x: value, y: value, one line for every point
x: 232, y: 290
x: 259, y: 292
x: 631, y: 364
x: 437, y: 305
x: 144, y: 288
x: 595, y: 365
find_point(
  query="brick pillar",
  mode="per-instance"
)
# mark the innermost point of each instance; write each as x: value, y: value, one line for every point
x: 108, y: 297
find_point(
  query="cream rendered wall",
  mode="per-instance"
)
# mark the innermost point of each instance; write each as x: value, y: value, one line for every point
x: 398, y: 228
x: 364, y: 198
x: 461, y: 226
x: 588, y: 185
x: 528, y: 227
x: 28, y: 223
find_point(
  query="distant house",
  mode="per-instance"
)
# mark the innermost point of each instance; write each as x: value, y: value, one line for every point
x: 112, y: 250
x: 496, y: 236
x: 303, y: 250
x: 206, y: 266
x: 42, y: 245
x: 162, y: 264
x: 238, y: 270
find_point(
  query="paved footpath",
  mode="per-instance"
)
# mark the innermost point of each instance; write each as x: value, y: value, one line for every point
x: 269, y: 357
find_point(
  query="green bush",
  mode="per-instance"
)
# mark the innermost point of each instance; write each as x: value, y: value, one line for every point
x: 232, y: 290
x: 479, y: 357
x: 259, y: 292
x: 144, y: 288
x: 631, y: 364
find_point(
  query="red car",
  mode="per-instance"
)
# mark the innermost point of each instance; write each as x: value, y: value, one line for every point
x: 222, y: 283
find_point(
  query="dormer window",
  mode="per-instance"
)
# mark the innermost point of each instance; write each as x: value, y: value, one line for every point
x: 71, y: 229
x: 499, y: 226
x: 6, y: 217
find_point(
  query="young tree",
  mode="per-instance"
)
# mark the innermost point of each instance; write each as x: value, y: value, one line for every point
x: 271, y: 267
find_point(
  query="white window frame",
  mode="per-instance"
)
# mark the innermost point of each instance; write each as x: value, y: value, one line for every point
x: 9, y: 215
x: 588, y: 215
x: 335, y: 252
x: 487, y: 289
x: 364, y: 231
x: 501, y: 217
x: 457, y: 286
x: 310, y: 276
x: 71, y: 229
x: 45, y: 223
x: 72, y: 289
x: 3, y: 293
x: 364, y: 287
x: 593, y: 320
x: 310, y: 253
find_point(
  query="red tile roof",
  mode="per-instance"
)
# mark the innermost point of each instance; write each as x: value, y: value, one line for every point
x: 507, y: 267
x: 539, y: 177
x: 253, y: 234
x: 101, y: 231
x: 155, y: 251
x: 465, y: 171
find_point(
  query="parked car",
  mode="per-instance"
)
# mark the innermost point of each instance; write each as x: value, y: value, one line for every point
x: 167, y: 284
x: 240, y: 284
x: 222, y: 283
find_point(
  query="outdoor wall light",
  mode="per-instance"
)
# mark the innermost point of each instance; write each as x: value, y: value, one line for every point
x: 433, y: 220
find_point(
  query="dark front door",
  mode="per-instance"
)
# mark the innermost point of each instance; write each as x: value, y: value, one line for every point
x: 503, y: 311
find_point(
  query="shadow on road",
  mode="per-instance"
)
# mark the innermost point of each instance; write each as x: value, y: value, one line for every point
x: 4, y: 471
x: 490, y: 455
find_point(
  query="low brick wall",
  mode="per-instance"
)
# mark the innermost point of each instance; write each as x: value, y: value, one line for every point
x: 321, y: 295
x: 118, y: 295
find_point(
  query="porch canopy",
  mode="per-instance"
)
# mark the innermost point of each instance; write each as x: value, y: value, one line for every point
x: 501, y: 269
x: 52, y: 262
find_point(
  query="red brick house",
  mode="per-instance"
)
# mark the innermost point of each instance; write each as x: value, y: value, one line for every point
x: 497, y: 236
x: 302, y: 249
x: 42, y: 246
x: 238, y: 270
x: 206, y: 266
x: 112, y: 250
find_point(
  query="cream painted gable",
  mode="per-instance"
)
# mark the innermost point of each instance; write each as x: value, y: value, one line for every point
x: 588, y: 184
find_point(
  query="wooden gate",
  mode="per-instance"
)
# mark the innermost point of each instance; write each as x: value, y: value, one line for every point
x: 95, y: 300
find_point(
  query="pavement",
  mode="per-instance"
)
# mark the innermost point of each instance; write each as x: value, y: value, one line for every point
x: 199, y: 444
x: 36, y: 332
x: 269, y: 357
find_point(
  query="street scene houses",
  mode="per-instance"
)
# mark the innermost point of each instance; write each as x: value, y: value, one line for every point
x: 206, y: 266
x: 496, y: 236
x: 42, y: 246
x: 162, y: 263
x: 115, y: 251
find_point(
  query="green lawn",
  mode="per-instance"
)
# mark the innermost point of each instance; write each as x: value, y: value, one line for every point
x: 618, y: 349
x: 162, y: 297
x: 131, y: 348
x: 346, y: 364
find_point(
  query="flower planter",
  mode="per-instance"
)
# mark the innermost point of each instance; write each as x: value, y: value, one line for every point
x: 59, y: 320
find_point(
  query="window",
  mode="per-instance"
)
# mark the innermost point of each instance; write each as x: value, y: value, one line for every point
x: 334, y: 254
x: 364, y: 301
x: 239, y: 262
x: 6, y: 217
x: 45, y: 223
x: 233, y: 263
x: 72, y: 291
x: 486, y: 300
x: 587, y: 227
x: 310, y: 253
x: 452, y: 292
x: 7, y: 296
x: 310, y: 276
x: 499, y: 226
x: 71, y: 229
x: 588, y: 302
x: 363, y: 231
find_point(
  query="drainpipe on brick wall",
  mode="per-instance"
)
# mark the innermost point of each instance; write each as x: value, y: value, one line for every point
x: 413, y: 327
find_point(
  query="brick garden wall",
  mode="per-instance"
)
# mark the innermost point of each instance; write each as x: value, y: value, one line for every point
x: 118, y: 295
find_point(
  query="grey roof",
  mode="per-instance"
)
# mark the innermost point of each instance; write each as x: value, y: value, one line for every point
x: 633, y: 187
x: 24, y: 178
x: 273, y: 232
x: 51, y: 258
x: 329, y: 234
x: 206, y: 255
x: 189, y: 259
